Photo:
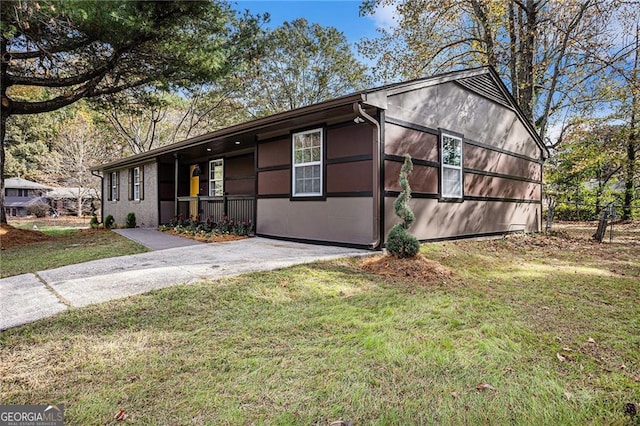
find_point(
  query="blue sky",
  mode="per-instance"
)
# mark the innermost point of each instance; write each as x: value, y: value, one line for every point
x: 343, y: 15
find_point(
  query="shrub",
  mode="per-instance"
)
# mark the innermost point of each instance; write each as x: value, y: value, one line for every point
x: 93, y: 223
x: 38, y: 209
x: 131, y: 220
x: 401, y: 243
x: 109, y: 221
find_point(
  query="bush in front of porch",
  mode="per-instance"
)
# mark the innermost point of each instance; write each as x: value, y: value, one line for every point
x: 210, y: 229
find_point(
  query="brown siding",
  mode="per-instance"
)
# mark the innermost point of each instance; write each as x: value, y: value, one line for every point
x: 347, y: 141
x: 496, y: 162
x: 423, y: 178
x: 242, y: 166
x: 350, y: 177
x: 488, y: 186
x: 420, y: 145
x: 436, y: 219
x: 276, y: 153
x: 273, y: 182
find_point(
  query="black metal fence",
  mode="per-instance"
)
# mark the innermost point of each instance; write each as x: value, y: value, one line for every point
x: 236, y: 207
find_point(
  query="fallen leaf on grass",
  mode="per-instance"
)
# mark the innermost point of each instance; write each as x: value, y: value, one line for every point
x: 120, y: 415
x: 590, y: 340
x: 455, y: 395
x: 566, y: 349
x: 560, y: 357
x: 485, y: 386
x: 283, y: 283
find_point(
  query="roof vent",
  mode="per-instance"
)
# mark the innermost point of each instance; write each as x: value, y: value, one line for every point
x: 484, y: 85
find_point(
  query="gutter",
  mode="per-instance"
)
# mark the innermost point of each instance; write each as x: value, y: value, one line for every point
x: 101, y: 193
x: 357, y: 108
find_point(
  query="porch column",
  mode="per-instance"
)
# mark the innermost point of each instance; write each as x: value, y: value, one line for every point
x: 175, y: 185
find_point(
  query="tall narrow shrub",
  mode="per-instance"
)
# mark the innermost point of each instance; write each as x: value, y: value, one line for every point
x: 400, y: 242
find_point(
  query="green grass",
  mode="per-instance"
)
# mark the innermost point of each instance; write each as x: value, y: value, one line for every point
x: 67, y: 246
x: 321, y: 342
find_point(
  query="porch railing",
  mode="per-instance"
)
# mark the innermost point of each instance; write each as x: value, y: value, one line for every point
x: 236, y: 207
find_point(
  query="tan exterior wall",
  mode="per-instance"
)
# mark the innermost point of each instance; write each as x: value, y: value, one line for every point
x: 341, y: 220
x: 471, y: 218
x: 502, y: 173
x: 146, y: 210
x: 449, y: 106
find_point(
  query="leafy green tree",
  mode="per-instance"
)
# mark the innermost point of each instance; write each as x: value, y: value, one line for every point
x: 549, y: 53
x: 304, y: 64
x: 400, y: 242
x: 91, y: 48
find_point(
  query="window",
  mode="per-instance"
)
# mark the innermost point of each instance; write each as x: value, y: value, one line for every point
x: 307, y: 163
x: 113, y: 186
x: 136, y: 183
x: 216, y: 178
x: 451, y: 166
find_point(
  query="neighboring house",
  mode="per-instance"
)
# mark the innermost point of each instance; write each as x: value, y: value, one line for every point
x: 20, y: 194
x: 328, y: 172
x: 69, y: 200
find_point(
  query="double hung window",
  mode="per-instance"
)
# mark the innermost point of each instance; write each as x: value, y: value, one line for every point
x: 451, y: 165
x: 216, y: 178
x: 307, y: 163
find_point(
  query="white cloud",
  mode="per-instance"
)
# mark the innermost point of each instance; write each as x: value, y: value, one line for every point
x: 385, y: 17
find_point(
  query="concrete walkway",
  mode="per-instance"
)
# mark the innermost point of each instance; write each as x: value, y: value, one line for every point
x: 29, y: 297
x: 154, y: 239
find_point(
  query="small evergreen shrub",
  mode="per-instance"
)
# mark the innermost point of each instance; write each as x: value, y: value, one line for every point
x: 109, y: 221
x: 400, y: 242
x: 93, y: 223
x: 131, y: 220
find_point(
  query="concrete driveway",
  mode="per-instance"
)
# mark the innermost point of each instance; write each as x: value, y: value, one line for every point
x: 29, y: 297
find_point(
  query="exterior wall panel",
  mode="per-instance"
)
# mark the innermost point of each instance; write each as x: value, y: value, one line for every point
x: 423, y: 179
x: 400, y: 141
x: 274, y: 153
x: 146, y: 210
x: 349, y: 141
x: 489, y: 186
x: 275, y: 182
x: 497, y: 162
x: 341, y: 220
x: 350, y: 177
x: 436, y: 220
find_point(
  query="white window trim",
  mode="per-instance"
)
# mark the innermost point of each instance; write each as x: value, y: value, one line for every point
x: 136, y: 183
x: 114, y: 186
x: 444, y: 166
x: 212, y: 181
x: 295, y: 165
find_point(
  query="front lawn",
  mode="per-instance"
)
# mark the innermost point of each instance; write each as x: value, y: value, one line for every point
x: 64, y: 246
x: 526, y: 330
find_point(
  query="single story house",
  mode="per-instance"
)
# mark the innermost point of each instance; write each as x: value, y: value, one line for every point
x: 67, y: 200
x: 328, y: 172
x: 20, y: 194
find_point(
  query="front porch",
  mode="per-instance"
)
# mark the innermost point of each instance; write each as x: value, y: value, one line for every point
x: 240, y: 208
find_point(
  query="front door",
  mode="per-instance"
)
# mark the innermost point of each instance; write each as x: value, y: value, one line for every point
x: 194, y: 190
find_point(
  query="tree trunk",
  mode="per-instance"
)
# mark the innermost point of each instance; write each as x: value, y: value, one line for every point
x: 632, y: 143
x: 4, y: 116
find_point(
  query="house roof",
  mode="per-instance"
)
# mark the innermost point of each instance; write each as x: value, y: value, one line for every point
x: 19, y: 183
x: 22, y: 201
x: 71, y: 193
x: 484, y: 81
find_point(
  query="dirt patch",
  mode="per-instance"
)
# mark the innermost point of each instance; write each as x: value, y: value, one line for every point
x: 416, y: 269
x: 14, y: 237
x: 214, y: 238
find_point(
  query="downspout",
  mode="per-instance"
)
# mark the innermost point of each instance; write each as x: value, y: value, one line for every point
x: 357, y: 108
x: 101, y: 194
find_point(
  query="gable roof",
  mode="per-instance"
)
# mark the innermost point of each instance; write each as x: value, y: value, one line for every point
x: 19, y: 183
x: 483, y: 81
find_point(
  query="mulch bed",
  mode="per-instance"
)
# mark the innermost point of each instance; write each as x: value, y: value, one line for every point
x: 418, y: 268
x: 14, y: 237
